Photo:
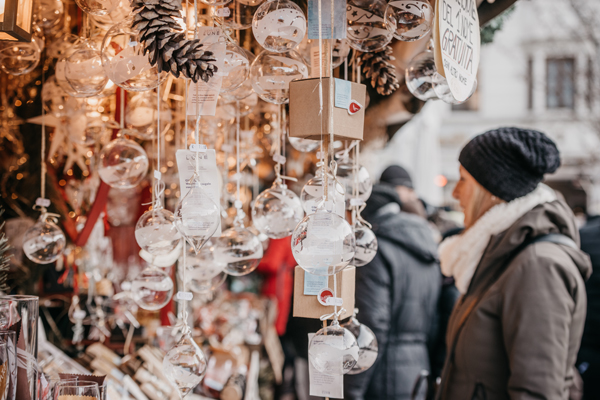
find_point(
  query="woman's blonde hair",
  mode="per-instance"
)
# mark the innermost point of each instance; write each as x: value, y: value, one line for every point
x: 480, y: 203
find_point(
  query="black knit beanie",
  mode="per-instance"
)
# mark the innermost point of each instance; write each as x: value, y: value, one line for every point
x: 397, y: 176
x: 510, y: 162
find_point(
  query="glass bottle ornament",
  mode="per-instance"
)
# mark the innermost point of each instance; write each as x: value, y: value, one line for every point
x: 203, y: 272
x: 279, y: 26
x: 97, y: 7
x: 368, y: 349
x: 238, y: 14
x: 409, y: 20
x: 419, y: 75
x: 185, y: 365
x: 304, y: 145
x: 44, y: 242
x: 123, y: 163
x: 333, y: 350
x: 152, y: 289
x: 239, y: 249
x: 20, y: 58
x: 156, y: 233
x: 83, y: 69
x: 236, y: 66
x: 141, y: 115
x: 124, y: 62
x: 277, y: 211
x: 313, y: 194
x: 323, y: 243
x: 366, y: 245
x: 366, y: 26
x: 347, y: 177
x: 271, y: 74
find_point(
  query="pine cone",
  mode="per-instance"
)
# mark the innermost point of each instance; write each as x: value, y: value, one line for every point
x: 165, y: 42
x: 376, y: 66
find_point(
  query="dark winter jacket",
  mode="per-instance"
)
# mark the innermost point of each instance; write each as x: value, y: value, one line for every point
x: 397, y: 295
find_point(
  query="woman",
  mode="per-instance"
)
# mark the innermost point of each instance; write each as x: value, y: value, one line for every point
x: 515, y: 332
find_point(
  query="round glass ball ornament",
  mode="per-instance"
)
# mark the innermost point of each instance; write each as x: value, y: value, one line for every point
x: 238, y: 14
x: 122, y: 11
x: 141, y: 115
x: 366, y: 25
x: 323, y: 243
x: 271, y: 74
x: 203, y: 272
x: 239, y: 249
x: 443, y: 92
x: 409, y: 20
x: 44, y: 242
x: 347, y: 177
x: 277, y: 211
x: 20, y: 58
x: 279, y: 26
x: 216, y: 2
x: 152, y: 289
x: 368, y: 349
x: 97, y: 7
x: 185, y: 365
x: 156, y: 233
x: 48, y: 13
x: 366, y: 245
x: 304, y: 145
x: 237, y: 67
x: 83, y: 69
x: 419, y: 75
x: 333, y: 350
x: 123, y: 164
x: 124, y: 62
x: 313, y: 193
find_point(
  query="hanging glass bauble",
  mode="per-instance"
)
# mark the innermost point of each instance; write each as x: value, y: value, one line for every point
x: 203, y: 272
x: 443, y: 92
x: 238, y: 14
x: 234, y: 109
x: 277, y: 211
x: 271, y: 74
x: 152, y: 289
x: 366, y: 26
x: 124, y: 62
x: 409, y: 20
x: 197, y: 216
x: 185, y: 365
x: 141, y: 115
x: 245, y: 89
x: 156, y: 233
x: 216, y: 2
x: 279, y: 26
x: 264, y: 239
x: 61, y: 46
x: 44, y: 242
x: 367, y: 345
x: 304, y: 145
x: 123, y: 164
x: 313, y: 194
x: 347, y: 177
x: 97, y: 7
x: 105, y: 22
x: 419, y: 76
x: 236, y: 66
x: 48, y: 13
x: 20, y: 58
x: 366, y: 245
x: 239, y: 249
x: 333, y: 350
x: 83, y: 69
x: 323, y: 243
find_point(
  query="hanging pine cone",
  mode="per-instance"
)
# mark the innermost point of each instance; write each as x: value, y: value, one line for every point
x: 165, y: 41
x: 376, y: 66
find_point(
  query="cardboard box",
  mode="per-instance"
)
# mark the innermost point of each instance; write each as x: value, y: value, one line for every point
x: 307, y: 306
x: 305, y: 120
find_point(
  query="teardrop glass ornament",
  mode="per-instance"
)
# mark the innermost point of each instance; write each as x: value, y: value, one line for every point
x: 185, y: 365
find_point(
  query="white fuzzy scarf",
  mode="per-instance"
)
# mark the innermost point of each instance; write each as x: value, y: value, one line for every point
x: 460, y: 254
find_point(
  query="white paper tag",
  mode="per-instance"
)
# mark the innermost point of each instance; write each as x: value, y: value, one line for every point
x: 343, y: 93
x: 321, y: 236
x: 278, y: 158
x: 201, y: 148
x: 313, y: 284
x: 126, y: 65
x: 320, y: 155
x: 157, y: 175
x: 339, y: 15
x: 41, y: 202
x: 334, y: 301
x: 184, y: 296
x: 79, y: 314
x: 356, y: 201
x: 223, y: 12
x: 322, y: 385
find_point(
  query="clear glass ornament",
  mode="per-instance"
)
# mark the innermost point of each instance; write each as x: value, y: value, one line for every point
x: 152, y: 289
x: 44, y: 242
x: 215, y: 2
x: 271, y: 74
x: 409, y: 20
x: 419, y: 76
x: 48, y: 13
x: 279, y: 26
x: 366, y: 245
x: 333, y: 350
x: 141, y: 115
x: 237, y: 67
x: 97, y: 7
x: 83, y: 69
x: 156, y: 233
x: 341, y: 49
x: 367, y: 345
x: 20, y: 58
x: 105, y: 22
x: 245, y: 89
x: 238, y: 14
x: 124, y: 62
x: 203, y: 272
x: 233, y: 109
x: 347, y: 177
x: 323, y: 243
x: 304, y: 145
x: 313, y: 193
x: 443, y: 92
x: 185, y: 365
x: 239, y: 249
x: 197, y: 216
x: 264, y: 239
x: 123, y: 163
x: 366, y: 26
x: 277, y: 211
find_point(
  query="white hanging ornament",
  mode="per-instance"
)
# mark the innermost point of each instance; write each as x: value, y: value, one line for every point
x: 271, y: 74
x: 44, y: 242
x: 185, y: 365
x: 141, y: 115
x: 239, y: 249
x: 277, y: 211
x: 203, y: 272
x: 347, y: 177
x: 123, y: 164
x: 333, y: 350
x: 83, y: 69
x: 279, y: 26
x: 155, y: 232
x: 419, y: 76
x: 366, y: 245
x: 366, y: 26
x: 368, y: 348
x: 409, y: 20
x: 152, y: 289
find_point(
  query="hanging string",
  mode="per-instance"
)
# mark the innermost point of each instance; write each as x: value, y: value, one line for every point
x: 43, y: 150
x: 122, y: 109
x: 237, y: 149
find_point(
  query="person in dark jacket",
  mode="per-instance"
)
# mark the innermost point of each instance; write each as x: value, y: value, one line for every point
x: 397, y: 295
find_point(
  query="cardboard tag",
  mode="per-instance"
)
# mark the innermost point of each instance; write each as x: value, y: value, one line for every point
x: 323, y: 385
x: 313, y: 284
x: 339, y: 19
x: 354, y: 107
x: 343, y: 93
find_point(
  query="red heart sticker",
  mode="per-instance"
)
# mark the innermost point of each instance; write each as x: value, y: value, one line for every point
x: 354, y: 107
x: 324, y: 295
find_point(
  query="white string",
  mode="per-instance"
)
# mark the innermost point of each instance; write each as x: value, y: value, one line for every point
x: 43, y: 150
x: 237, y: 139
x: 122, y: 121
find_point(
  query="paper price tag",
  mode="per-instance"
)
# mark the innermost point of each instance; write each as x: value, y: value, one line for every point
x: 356, y: 202
x: 41, y: 202
x: 223, y: 12
x: 278, y: 158
x: 184, y: 296
x: 157, y: 175
x: 343, y: 93
x: 313, y: 284
x: 334, y: 301
x: 201, y: 148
